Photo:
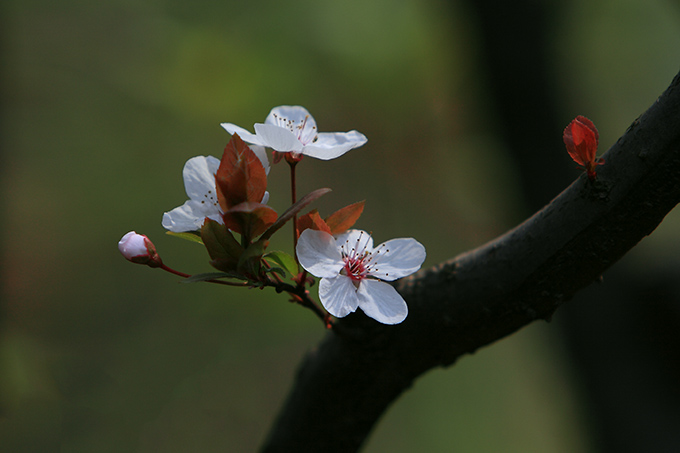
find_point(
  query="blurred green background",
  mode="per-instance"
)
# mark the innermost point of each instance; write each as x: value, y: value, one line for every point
x: 105, y: 101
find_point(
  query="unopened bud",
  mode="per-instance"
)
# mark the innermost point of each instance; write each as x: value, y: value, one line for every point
x: 139, y: 249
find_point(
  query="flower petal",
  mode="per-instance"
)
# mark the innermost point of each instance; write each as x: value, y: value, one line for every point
x: 397, y: 258
x: 262, y: 155
x: 199, y: 178
x: 354, y: 240
x: 284, y: 115
x: 318, y: 253
x: 381, y: 302
x: 133, y: 245
x: 189, y: 217
x: 338, y: 295
x: 277, y: 138
x: 330, y: 145
x: 245, y: 135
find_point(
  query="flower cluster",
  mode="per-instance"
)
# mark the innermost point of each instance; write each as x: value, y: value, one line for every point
x: 228, y: 212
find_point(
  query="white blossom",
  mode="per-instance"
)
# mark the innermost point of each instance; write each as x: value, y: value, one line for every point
x: 353, y: 272
x: 292, y: 129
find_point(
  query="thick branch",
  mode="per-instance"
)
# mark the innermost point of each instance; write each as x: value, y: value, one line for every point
x: 489, y: 293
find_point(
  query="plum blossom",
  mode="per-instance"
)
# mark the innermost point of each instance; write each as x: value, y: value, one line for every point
x: 351, y: 270
x: 139, y: 249
x: 292, y: 129
x: 199, y: 183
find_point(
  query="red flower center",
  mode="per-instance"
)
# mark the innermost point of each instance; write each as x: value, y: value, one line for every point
x: 355, y: 268
x: 357, y: 259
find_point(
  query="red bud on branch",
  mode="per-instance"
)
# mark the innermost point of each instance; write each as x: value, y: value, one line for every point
x: 581, y: 139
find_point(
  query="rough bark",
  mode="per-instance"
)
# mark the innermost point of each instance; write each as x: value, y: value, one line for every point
x: 622, y: 339
x: 465, y: 303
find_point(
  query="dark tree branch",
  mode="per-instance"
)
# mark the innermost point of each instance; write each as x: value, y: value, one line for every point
x: 484, y: 295
x: 622, y: 339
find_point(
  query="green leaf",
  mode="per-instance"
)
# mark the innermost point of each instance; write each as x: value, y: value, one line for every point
x: 249, y: 262
x: 223, y: 248
x: 212, y: 276
x: 284, y: 260
x: 293, y: 210
x: 192, y: 236
x: 276, y: 270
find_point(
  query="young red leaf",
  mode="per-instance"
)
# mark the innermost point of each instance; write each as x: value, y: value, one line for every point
x: 581, y: 139
x: 343, y: 219
x: 312, y: 220
x: 249, y: 219
x: 240, y: 176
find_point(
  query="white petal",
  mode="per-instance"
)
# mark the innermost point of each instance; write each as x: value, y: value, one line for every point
x: 199, y: 178
x: 318, y: 253
x: 282, y: 115
x: 188, y: 217
x: 265, y: 198
x: 277, y: 138
x: 356, y: 240
x: 338, y: 295
x: 262, y: 155
x: 397, y: 258
x: 132, y: 245
x: 332, y: 145
x: 245, y: 135
x: 381, y: 302
x: 295, y: 119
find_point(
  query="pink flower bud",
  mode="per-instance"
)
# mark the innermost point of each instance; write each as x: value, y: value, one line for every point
x: 139, y: 249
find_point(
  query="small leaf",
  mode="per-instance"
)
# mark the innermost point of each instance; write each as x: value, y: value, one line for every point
x: 312, y: 220
x: 249, y: 262
x: 581, y: 139
x: 188, y: 235
x: 212, y: 276
x: 240, y: 176
x: 275, y: 270
x: 284, y: 260
x: 249, y: 219
x: 222, y: 247
x: 343, y: 219
x: 293, y: 210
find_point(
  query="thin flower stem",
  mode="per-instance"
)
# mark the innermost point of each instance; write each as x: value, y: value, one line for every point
x: 276, y: 276
x: 173, y: 271
x: 182, y: 274
x: 293, y: 194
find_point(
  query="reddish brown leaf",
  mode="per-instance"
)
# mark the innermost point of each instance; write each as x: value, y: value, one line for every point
x: 249, y: 219
x: 312, y: 220
x: 581, y: 139
x: 240, y: 177
x: 343, y: 219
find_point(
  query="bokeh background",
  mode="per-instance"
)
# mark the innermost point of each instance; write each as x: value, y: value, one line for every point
x: 103, y: 102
